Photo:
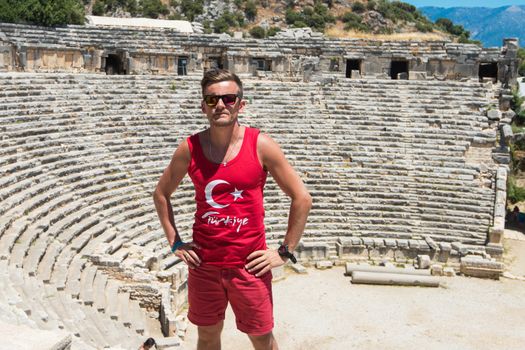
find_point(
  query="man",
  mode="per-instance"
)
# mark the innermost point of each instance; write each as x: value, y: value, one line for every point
x: 228, y: 259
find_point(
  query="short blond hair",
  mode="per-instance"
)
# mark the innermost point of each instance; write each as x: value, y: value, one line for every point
x: 217, y: 75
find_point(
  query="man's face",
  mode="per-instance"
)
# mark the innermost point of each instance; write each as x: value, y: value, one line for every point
x: 222, y: 114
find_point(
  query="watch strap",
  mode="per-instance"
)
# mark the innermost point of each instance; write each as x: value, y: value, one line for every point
x: 176, y: 246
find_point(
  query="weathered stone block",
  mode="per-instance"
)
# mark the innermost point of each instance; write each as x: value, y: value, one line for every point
x: 495, y: 250
x: 494, y: 114
x: 460, y: 248
x: 417, y: 75
x: 449, y: 272
x: 312, y: 251
x: 324, y: 264
x: 423, y: 261
x: 436, y: 270
x: 476, y: 266
x: 298, y: 268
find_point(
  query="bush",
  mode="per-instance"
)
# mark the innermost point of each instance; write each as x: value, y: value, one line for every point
x: 192, y: 8
x: 98, y: 8
x: 225, y: 22
x: 354, y: 21
x: 300, y: 24
x: 153, y: 8
x: 291, y: 16
x: 250, y: 10
x: 220, y: 25
x: 351, y: 17
x: 42, y: 12
x: 521, y: 67
x: 239, y: 18
x: 316, y: 17
x: 207, y: 27
x: 404, y: 6
x: 258, y: 32
x: 371, y: 5
x: 516, y: 103
x: 273, y: 30
x: 358, y: 7
x: 424, y: 27
x: 515, y: 194
x: 102, y: 7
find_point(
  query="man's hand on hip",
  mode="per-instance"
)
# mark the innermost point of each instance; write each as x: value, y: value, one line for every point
x: 186, y: 253
x: 262, y: 261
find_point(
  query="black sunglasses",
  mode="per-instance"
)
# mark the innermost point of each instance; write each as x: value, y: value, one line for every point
x: 228, y: 99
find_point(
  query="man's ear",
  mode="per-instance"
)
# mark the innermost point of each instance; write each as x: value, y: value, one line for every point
x: 242, y: 104
x: 202, y: 107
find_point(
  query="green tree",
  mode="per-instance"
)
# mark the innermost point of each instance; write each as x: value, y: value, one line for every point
x: 42, y: 12
x: 445, y: 23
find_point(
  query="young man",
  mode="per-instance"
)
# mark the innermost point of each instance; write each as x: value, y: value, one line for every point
x: 228, y: 259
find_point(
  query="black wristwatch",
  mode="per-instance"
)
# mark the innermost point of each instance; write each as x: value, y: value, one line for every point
x: 285, y: 253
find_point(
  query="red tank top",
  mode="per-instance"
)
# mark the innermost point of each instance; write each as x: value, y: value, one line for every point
x: 229, y: 221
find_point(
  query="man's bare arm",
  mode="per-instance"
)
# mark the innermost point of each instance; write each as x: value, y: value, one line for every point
x: 167, y: 185
x: 291, y: 184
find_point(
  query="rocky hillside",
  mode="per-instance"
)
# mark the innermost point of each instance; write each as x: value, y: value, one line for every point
x: 263, y: 18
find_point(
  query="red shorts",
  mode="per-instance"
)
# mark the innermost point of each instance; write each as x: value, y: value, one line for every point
x: 210, y: 288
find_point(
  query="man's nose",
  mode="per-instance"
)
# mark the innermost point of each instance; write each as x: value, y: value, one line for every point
x: 220, y: 103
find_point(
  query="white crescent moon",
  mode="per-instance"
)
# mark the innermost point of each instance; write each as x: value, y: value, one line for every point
x: 208, y: 192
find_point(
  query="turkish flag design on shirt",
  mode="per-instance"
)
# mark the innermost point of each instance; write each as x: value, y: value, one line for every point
x: 229, y: 220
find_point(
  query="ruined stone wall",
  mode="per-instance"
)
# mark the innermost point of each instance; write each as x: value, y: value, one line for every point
x: 80, y: 48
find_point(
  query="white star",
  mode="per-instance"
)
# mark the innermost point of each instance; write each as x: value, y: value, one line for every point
x: 237, y: 194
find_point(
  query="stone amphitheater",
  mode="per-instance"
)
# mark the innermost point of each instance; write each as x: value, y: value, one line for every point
x: 401, y: 145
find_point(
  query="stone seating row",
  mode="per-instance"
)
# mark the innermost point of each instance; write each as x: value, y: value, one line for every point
x: 53, y: 311
x: 72, y: 287
x: 87, y: 34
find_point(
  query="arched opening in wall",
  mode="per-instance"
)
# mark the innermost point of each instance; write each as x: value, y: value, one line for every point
x: 488, y: 70
x: 114, y: 65
x: 182, y: 65
x: 399, y: 69
x: 352, y: 65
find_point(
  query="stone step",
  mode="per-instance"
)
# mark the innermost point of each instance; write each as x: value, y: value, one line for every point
x: 87, y: 277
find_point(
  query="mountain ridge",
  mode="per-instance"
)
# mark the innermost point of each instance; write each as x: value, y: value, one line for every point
x: 488, y: 25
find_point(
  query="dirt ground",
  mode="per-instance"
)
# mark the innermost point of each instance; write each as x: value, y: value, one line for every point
x: 324, y: 310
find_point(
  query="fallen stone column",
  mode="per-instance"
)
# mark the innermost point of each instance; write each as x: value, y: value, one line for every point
x: 350, y: 268
x: 361, y: 277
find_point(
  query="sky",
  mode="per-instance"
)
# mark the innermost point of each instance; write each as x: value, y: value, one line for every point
x: 464, y: 3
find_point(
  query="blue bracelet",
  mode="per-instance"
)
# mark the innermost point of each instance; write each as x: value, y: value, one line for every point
x: 176, y: 246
